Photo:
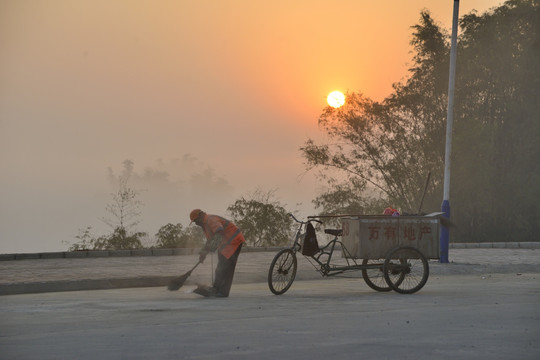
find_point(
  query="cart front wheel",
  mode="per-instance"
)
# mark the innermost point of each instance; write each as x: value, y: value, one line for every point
x: 406, y: 270
x: 282, y: 271
x: 373, y: 275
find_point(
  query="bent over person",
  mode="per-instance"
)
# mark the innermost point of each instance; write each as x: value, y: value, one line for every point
x: 221, y: 235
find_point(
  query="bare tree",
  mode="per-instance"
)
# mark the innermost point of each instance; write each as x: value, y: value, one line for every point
x: 125, y: 209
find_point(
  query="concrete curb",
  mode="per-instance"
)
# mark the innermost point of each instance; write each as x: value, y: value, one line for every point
x: 496, y: 245
x: 123, y: 283
x: 116, y: 253
x: 77, y: 285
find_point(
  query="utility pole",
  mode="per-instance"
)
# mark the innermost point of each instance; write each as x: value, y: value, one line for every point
x: 445, y: 232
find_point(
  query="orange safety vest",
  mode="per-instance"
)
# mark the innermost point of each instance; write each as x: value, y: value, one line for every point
x: 232, y: 236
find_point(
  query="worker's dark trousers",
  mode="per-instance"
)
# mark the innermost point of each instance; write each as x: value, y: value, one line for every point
x: 225, y: 272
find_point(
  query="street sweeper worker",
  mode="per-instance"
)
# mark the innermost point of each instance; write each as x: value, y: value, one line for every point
x: 225, y: 238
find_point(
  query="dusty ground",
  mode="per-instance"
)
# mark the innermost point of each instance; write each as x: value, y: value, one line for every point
x: 474, y: 316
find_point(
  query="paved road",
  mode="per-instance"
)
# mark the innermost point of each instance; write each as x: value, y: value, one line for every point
x: 476, y: 316
x: 485, y: 304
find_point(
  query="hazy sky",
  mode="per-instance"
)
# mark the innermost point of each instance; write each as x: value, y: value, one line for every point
x: 210, y: 100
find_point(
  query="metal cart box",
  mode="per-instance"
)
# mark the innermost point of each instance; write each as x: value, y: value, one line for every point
x: 372, y: 237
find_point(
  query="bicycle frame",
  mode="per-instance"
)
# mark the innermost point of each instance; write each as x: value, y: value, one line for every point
x: 325, y: 266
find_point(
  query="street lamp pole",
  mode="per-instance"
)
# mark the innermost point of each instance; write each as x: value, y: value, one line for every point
x: 444, y: 240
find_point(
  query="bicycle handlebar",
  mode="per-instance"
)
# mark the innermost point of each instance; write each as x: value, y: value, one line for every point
x: 304, y: 222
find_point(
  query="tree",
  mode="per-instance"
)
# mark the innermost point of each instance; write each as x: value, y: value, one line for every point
x: 175, y: 236
x: 125, y: 207
x: 345, y: 199
x: 263, y: 220
x: 86, y: 240
x: 495, y: 191
x: 385, y: 150
x: 124, y: 214
x: 117, y: 240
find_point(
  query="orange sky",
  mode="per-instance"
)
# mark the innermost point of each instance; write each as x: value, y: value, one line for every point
x: 237, y: 84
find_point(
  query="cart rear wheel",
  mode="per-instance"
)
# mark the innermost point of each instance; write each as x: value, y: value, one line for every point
x: 374, y: 276
x: 282, y: 271
x: 406, y: 270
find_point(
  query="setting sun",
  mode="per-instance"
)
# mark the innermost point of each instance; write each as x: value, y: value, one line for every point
x: 336, y: 99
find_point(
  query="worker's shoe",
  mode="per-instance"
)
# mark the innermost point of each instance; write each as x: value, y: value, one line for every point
x: 206, y: 291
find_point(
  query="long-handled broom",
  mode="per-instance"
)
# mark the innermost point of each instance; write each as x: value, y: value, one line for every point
x: 177, y: 283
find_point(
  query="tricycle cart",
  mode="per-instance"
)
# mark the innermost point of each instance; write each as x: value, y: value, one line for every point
x: 391, y: 252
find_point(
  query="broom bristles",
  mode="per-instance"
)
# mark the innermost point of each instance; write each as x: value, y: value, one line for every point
x: 177, y: 283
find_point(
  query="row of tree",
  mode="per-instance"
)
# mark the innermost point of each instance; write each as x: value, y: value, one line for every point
x: 264, y: 222
x: 382, y: 152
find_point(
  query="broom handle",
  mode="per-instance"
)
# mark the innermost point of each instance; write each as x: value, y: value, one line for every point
x: 193, y: 268
x: 212, y: 267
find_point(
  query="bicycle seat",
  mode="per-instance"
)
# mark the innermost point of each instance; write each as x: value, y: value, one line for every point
x: 335, y: 232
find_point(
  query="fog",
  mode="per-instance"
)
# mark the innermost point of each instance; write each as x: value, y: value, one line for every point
x: 209, y: 100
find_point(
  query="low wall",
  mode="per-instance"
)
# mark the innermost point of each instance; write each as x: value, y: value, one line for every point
x: 191, y: 251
